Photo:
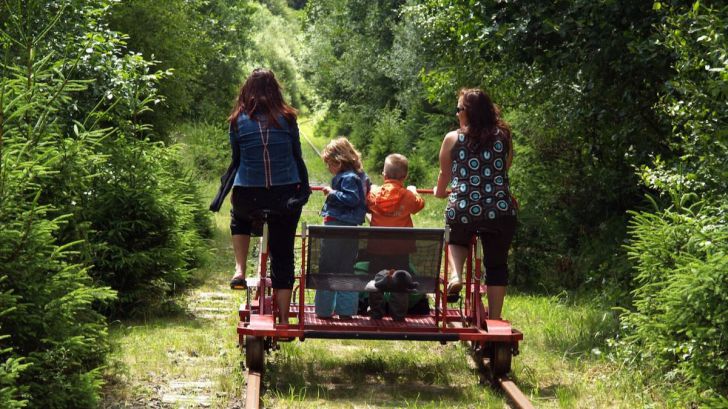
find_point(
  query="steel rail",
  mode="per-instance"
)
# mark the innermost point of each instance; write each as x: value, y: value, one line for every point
x: 252, y: 391
x: 510, y: 389
x: 310, y: 143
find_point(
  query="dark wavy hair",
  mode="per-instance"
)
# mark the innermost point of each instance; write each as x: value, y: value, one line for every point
x: 261, y: 95
x: 484, y: 119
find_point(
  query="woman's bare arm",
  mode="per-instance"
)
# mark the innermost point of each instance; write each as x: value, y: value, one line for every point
x: 443, y: 178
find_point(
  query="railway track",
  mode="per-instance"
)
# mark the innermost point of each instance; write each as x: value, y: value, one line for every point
x: 315, y: 149
x: 515, y: 394
x: 503, y: 383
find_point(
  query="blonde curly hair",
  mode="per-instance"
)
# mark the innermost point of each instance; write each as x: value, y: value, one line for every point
x: 341, y: 151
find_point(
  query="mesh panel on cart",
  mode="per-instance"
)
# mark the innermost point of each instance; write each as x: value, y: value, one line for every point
x: 345, y: 258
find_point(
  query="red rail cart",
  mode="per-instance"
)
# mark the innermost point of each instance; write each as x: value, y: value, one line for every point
x: 491, y: 342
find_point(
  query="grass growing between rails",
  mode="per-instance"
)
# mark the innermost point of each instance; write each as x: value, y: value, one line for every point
x: 192, y: 360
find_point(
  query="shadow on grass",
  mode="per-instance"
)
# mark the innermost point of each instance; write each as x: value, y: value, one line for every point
x: 370, y: 395
x: 370, y: 378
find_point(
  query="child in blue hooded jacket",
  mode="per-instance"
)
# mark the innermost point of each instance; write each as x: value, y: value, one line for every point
x: 345, y: 205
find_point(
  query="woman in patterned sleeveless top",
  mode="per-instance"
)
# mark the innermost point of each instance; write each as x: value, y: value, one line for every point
x: 474, y: 161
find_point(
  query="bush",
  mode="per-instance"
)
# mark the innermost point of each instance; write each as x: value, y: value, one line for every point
x: 388, y: 136
x: 58, y: 340
x: 55, y: 330
x: 680, y: 251
x: 13, y: 367
x: 681, y: 295
x: 79, y: 184
x: 145, y: 225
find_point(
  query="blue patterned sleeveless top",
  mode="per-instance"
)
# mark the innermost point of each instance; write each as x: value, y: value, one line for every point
x: 480, y: 187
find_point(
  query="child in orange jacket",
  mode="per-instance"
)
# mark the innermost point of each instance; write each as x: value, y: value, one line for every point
x: 392, y: 205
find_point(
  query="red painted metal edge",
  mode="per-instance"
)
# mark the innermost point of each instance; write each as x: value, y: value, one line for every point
x: 302, y: 286
x: 443, y: 296
x: 425, y: 191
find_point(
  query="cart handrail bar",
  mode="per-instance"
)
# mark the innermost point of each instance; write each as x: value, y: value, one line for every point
x: 424, y: 191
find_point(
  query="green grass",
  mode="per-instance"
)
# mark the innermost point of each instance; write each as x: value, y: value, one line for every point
x: 563, y: 361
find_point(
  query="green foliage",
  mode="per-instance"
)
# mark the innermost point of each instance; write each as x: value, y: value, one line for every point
x: 206, y: 149
x: 681, y: 299
x: 347, y: 46
x: 145, y: 236
x: 201, y: 42
x: 579, y: 134
x: 71, y: 134
x: 388, y: 136
x: 681, y: 262
x: 58, y: 340
x: 12, y: 367
x: 55, y: 330
x: 274, y: 29
x: 695, y: 101
x: 366, y: 65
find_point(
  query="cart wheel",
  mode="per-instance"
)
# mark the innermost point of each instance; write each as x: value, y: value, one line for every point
x: 254, y: 353
x: 500, y: 362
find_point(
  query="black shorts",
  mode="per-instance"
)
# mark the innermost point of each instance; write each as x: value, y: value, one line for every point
x: 247, y: 205
x: 249, y: 202
x: 496, y: 236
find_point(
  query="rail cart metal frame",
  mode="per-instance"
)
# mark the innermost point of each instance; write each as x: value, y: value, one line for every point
x: 492, y: 343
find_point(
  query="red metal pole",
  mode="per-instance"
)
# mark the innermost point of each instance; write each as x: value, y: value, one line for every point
x: 445, y: 281
x: 468, y: 278
x: 476, y: 288
x: 437, y: 293
x: 262, y: 267
x: 425, y: 191
x: 302, y: 284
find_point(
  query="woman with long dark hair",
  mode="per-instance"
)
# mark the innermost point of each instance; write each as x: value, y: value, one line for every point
x: 474, y: 160
x: 267, y: 173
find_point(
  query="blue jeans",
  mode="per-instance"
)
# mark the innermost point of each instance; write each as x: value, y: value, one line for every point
x: 337, y: 256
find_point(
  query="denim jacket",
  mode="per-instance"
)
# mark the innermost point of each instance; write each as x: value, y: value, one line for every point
x: 347, y: 202
x: 278, y: 166
x: 293, y: 161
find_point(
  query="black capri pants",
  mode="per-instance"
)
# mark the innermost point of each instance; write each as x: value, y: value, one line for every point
x: 245, y: 219
x: 496, y: 236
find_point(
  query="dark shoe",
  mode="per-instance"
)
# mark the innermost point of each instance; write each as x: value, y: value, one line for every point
x: 238, y: 283
x: 345, y: 317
